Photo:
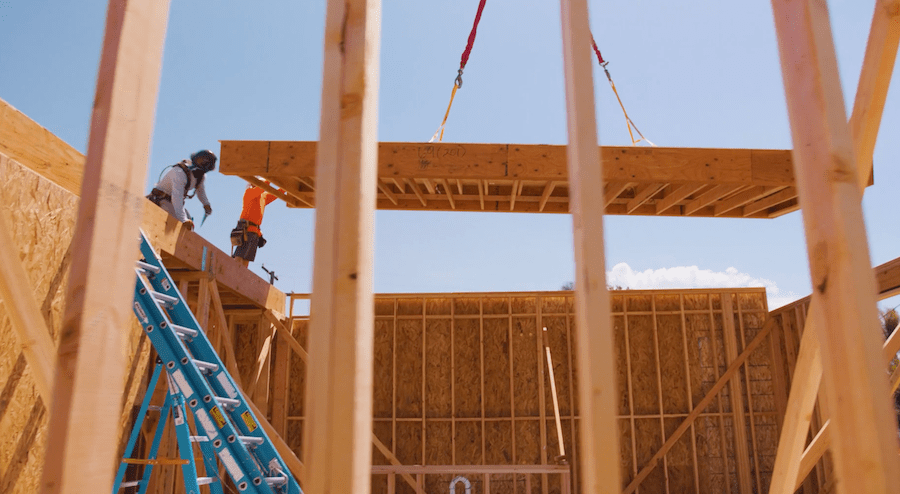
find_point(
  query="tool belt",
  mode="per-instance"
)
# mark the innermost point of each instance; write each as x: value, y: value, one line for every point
x: 239, y: 233
x: 156, y: 196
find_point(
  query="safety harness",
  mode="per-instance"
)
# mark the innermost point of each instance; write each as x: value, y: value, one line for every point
x: 158, y: 195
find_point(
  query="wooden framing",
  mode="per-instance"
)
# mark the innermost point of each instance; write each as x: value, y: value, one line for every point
x: 534, y: 178
x: 864, y: 441
x: 87, y: 394
x: 457, y: 381
x: 339, y: 426
x: 830, y: 158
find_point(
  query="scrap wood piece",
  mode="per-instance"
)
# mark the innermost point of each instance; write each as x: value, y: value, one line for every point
x: 701, y: 405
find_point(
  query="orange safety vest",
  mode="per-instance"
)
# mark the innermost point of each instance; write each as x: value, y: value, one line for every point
x: 255, y: 201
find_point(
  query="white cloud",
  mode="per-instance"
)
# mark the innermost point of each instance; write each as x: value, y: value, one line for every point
x: 694, y: 277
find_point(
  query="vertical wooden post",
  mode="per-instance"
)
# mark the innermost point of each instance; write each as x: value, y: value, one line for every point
x: 865, y: 441
x: 596, y: 346
x: 338, y: 429
x: 735, y: 393
x: 90, y: 378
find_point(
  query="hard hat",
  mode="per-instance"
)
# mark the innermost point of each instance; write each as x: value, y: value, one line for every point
x: 205, y: 160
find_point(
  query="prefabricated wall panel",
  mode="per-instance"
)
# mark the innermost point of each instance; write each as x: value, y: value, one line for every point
x: 42, y: 215
x: 462, y: 379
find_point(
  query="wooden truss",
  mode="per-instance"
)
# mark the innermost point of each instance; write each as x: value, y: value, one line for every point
x: 733, y: 183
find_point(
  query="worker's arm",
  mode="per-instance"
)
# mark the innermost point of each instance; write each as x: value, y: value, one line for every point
x: 201, y: 194
x: 177, y: 179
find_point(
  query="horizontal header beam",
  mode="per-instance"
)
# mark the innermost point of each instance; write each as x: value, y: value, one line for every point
x: 522, y: 162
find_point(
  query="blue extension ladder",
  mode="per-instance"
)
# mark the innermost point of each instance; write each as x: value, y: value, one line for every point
x: 198, y: 379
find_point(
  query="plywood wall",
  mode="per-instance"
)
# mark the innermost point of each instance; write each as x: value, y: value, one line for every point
x: 41, y: 215
x: 461, y: 379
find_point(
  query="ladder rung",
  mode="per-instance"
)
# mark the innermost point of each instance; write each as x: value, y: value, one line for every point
x: 198, y: 439
x: 206, y: 366
x: 183, y: 331
x: 205, y: 480
x: 276, y: 480
x: 228, y: 402
x: 251, y: 440
x: 162, y: 297
x: 133, y: 483
x: 148, y: 267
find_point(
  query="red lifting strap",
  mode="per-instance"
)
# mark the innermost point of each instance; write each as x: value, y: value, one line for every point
x: 597, y: 50
x: 465, y: 55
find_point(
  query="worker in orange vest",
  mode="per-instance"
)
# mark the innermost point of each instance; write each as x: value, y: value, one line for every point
x: 246, y: 237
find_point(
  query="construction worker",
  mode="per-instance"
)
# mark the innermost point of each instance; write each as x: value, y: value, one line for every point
x: 176, y: 185
x: 246, y: 237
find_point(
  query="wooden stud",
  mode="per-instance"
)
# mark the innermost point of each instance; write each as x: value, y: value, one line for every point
x: 514, y: 192
x: 24, y: 313
x: 713, y: 339
x: 735, y: 394
x: 690, y: 393
x: 742, y: 198
x: 287, y: 336
x: 659, y: 396
x: 596, y: 344
x: 628, y: 375
x: 864, y: 429
x: 428, y: 186
x: 749, y: 395
x: 338, y: 425
x: 481, y: 193
x: 87, y: 393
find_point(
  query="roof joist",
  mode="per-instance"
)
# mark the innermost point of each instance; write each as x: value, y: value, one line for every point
x: 754, y: 183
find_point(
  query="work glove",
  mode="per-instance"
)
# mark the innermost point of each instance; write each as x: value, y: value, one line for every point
x: 189, y: 224
x: 208, y: 209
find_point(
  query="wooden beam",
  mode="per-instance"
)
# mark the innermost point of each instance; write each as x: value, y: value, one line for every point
x: 338, y: 425
x: 700, y: 406
x: 448, y: 191
x: 874, y: 80
x: 612, y: 190
x: 596, y: 348
x: 418, y: 192
x: 32, y: 333
x: 708, y: 197
x: 386, y: 190
x: 87, y: 395
x: 537, y: 162
x: 548, y: 189
x: 230, y: 361
x: 801, y: 400
x: 864, y: 435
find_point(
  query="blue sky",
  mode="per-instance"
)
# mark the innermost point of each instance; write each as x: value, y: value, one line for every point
x: 694, y: 74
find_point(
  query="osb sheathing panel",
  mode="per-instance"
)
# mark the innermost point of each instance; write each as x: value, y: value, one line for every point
x: 458, y: 380
x: 41, y: 216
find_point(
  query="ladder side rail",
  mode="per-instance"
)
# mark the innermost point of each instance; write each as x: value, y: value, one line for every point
x: 136, y: 429
x: 154, y: 446
x: 185, y: 450
x: 212, y: 467
x: 239, y: 462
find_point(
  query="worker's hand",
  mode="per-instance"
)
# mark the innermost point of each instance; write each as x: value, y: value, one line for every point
x: 208, y: 209
x: 189, y: 224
